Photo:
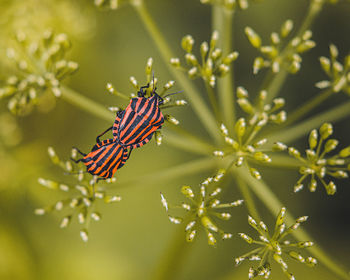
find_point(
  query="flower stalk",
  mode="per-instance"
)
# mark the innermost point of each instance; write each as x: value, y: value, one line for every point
x: 201, y: 109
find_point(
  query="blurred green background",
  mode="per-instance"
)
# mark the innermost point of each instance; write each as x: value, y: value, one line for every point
x: 134, y: 236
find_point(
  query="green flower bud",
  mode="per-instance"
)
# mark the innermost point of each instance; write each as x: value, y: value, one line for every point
x: 253, y: 37
x: 325, y: 64
x: 333, y: 51
x: 190, y: 235
x: 345, y: 152
x: 230, y: 58
x: 187, y: 191
x: 245, y: 105
x: 258, y: 64
x: 326, y: 130
x: 187, y: 43
x: 240, y: 127
x: 331, y: 188
x: 286, y: 28
x: 246, y: 238
x: 281, y: 217
x: 330, y: 145
x: 313, y: 139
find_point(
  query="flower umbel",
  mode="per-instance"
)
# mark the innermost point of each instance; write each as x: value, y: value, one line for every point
x: 339, y: 74
x: 201, y: 210
x: 274, y: 246
x: 84, y: 195
x: 246, y: 145
x: 274, y: 55
x: 316, y: 165
x: 212, y: 64
x: 37, y: 67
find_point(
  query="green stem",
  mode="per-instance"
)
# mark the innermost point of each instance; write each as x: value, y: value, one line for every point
x: 213, y: 102
x: 281, y: 161
x: 223, y: 22
x: 273, y: 83
x: 174, y: 256
x: 86, y: 104
x: 186, y: 141
x: 271, y: 201
x: 248, y: 199
x: 308, y: 106
x: 290, y: 134
x: 183, y: 169
x: 199, y: 106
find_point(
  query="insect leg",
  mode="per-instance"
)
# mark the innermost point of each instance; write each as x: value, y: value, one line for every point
x: 80, y: 152
x: 129, y: 153
x: 142, y: 92
x: 103, y: 133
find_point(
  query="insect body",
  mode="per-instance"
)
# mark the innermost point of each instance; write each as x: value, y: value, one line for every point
x: 136, y: 125
x: 132, y: 128
x: 105, y: 158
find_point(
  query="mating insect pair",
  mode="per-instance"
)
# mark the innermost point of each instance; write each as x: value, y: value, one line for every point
x: 132, y: 128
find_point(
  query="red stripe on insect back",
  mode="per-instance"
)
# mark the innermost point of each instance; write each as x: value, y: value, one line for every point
x: 147, y: 104
x: 145, y: 122
x: 140, y: 119
x: 110, y: 170
x: 131, y: 122
x: 105, y: 160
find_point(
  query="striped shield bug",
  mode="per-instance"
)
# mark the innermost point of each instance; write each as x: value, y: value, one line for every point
x: 135, y: 126
x: 105, y: 158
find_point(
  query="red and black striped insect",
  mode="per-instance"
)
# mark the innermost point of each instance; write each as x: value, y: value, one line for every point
x: 136, y: 125
x: 105, y: 158
x: 132, y: 128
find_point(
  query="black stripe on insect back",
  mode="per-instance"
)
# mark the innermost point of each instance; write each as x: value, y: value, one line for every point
x: 134, y: 102
x: 143, y: 131
x: 115, y: 160
x: 102, y: 151
x: 102, y: 162
x: 96, y: 164
x: 128, y: 136
x: 117, y: 154
x: 142, y: 120
x: 147, y: 109
x: 125, y: 123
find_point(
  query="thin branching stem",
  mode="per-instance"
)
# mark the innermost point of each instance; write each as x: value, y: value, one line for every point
x: 273, y: 204
x: 86, y: 104
x: 290, y: 134
x: 213, y: 101
x: 183, y: 169
x: 309, y: 106
x: 248, y: 198
x: 281, y: 161
x: 187, y: 141
x: 198, y: 104
x: 223, y: 22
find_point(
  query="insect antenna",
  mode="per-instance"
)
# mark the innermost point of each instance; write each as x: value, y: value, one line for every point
x: 172, y: 93
x: 154, y: 86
